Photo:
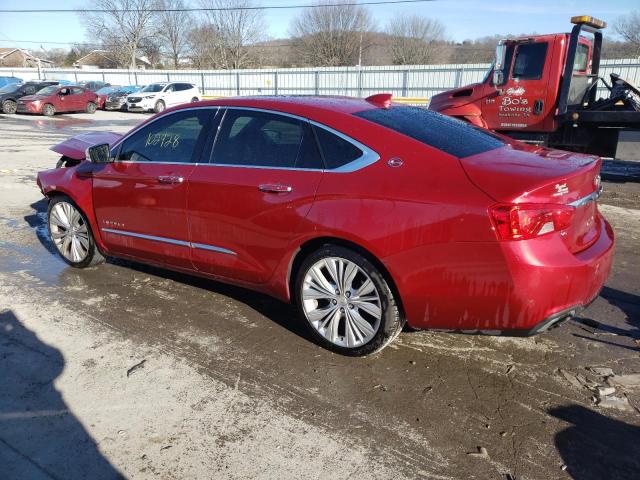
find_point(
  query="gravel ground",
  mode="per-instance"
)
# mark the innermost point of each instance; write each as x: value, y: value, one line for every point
x: 131, y: 371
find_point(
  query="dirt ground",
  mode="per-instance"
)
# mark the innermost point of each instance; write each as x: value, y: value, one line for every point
x: 130, y: 371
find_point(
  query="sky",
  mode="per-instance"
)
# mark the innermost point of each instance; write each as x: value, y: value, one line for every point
x: 463, y: 19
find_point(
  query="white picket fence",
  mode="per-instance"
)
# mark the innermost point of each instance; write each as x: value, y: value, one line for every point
x: 402, y: 81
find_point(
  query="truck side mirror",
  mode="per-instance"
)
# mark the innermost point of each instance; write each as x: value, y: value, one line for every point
x: 498, y: 65
x: 99, y: 153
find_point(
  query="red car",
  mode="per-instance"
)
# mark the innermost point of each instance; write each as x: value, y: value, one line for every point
x: 59, y: 98
x: 364, y: 213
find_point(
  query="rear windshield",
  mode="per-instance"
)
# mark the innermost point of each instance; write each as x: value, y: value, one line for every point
x: 444, y: 133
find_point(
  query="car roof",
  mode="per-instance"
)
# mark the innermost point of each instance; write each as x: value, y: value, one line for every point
x: 307, y: 106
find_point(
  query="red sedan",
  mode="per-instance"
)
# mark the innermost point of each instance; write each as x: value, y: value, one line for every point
x: 59, y: 98
x: 364, y: 213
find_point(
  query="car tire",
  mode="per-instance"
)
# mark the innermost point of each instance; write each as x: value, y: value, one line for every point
x: 159, y: 106
x: 91, y: 108
x: 9, y: 107
x: 48, y: 110
x: 195, y: 99
x: 71, y: 234
x: 335, y: 319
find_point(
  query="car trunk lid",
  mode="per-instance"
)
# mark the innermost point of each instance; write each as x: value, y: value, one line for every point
x: 521, y: 174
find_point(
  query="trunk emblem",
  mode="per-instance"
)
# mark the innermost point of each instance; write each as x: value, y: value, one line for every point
x: 561, y: 189
x: 395, y: 162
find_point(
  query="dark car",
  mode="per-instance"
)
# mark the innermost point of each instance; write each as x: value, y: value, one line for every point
x: 118, y: 99
x: 362, y: 212
x: 94, y: 85
x: 103, y: 93
x: 10, y: 94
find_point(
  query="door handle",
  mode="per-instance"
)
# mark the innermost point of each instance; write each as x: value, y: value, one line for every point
x: 170, y: 179
x: 274, y: 188
x: 538, y: 105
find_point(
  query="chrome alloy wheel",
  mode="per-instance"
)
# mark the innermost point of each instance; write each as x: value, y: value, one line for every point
x: 69, y: 232
x: 341, y: 302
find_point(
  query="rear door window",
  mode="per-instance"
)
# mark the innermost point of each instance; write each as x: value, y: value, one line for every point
x: 529, y: 61
x: 582, y: 58
x: 336, y: 151
x: 172, y: 138
x: 261, y: 139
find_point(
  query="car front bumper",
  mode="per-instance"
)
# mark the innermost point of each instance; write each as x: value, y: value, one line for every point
x: 141, y: 106
x: 28, y: 108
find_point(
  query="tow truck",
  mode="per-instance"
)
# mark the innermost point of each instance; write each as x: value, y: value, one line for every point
x: 543, y: 89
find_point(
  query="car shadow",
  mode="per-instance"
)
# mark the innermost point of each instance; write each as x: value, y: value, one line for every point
x: 39, y: 435
x: 629, y: 304
x: 280, y: 313
x: 596, y: 447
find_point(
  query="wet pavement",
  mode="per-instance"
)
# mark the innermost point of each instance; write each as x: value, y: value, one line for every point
x: 228, y: 384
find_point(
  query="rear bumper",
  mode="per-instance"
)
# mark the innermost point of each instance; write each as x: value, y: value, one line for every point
x: 518, y: 288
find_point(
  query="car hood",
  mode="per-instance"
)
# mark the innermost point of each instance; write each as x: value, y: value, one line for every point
x: 31, y: 98
x: 455, y: 98
x: 75, y: 147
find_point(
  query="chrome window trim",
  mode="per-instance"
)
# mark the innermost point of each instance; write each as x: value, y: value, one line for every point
x: 367, y: 158
x: 589, y: 198
x: 172, y: 241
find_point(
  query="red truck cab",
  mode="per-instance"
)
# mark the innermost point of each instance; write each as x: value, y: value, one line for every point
x: 526, y: 99
x: 542, y: 89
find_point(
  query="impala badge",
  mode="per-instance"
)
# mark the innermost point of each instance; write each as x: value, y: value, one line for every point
x: 561, y: 189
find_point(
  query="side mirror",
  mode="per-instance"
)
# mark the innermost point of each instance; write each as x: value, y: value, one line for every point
x: 99, y: 153
x: 498, y: 77
x: 499, y: 64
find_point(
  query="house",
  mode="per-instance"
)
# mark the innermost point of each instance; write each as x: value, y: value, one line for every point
x: 100, y: 59
x: 17, y: 57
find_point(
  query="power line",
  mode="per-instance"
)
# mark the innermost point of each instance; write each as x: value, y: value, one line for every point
x: 212, y: 9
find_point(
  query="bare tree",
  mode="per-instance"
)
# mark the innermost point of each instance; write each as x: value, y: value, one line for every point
x: 234, y: 28
x: 332, y: 36
x: 121, y: 26
x: 173, y: 29
x: 204, y: 47
x: 414, y: 39
x: 628, y: 27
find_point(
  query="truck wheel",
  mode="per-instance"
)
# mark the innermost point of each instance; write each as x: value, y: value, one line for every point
x: 9, y: 106
x: 91, y: 107
x: 159, y: 107
x: 48, y: 110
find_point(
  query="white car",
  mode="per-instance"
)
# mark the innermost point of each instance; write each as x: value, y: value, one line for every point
x: 158, y: 96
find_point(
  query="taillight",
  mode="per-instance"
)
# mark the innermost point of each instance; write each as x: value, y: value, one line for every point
x: 530, y: 220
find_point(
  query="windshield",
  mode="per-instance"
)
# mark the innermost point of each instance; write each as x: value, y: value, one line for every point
x: 154, y: 87
x: 48, y: 90
x: 12, y: 87
x: 105, y: 90
x: 129, y: 89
